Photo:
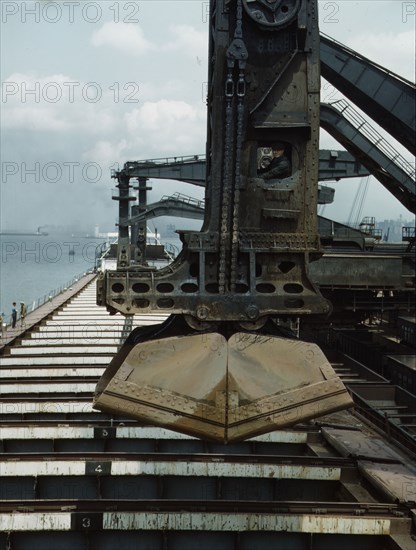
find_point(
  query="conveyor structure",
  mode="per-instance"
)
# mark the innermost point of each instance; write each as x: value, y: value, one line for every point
x: 348, y: 127
x: 183, y: 206
x: 386, y: 97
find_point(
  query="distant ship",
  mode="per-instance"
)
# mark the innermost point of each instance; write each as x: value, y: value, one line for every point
x: 37, y: 233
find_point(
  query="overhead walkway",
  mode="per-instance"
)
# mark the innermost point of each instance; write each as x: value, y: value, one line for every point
x: 350, y: 129
x: 183, y: 206
x: 336, y: 165
x: 385, y: 96
x: 178, y: 205
x: 333, y: 165
x: 190, y: 169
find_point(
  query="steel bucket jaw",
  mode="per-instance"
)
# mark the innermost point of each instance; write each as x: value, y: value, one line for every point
x: 225, y: 390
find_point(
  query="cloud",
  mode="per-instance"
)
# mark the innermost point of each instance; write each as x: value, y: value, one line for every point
x: 56, y: 103
x: 166, y: 126
x: 188, y: 40
x: 161, y: 114
x: 392, y: 50
x: 123, y: 37
x: 107, y: 154
x: 130, y: 40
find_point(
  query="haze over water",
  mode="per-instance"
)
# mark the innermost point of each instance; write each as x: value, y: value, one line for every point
x: 33, y: 266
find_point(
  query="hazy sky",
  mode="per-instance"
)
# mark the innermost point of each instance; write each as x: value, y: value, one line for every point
x: 89, y: 85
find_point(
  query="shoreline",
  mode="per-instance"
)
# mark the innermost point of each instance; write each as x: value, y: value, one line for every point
x: 17, y: 234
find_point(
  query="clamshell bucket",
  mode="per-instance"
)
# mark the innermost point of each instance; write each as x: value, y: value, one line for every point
x: 227, y: 390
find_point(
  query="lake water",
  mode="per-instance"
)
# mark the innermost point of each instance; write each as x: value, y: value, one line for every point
x: 34, y: 266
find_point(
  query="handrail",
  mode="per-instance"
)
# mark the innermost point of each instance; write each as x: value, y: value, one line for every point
x: 185, y: 199
x: 369, y: 61
x: 168, y: 160
x: 53, y: 293
x: 50, y: 295
x: 363, y: 126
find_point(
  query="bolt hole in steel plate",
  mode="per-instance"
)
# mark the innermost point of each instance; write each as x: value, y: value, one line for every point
x: 206, y: 386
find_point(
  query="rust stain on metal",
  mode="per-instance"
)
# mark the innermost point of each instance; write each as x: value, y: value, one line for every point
x: 206, y: 386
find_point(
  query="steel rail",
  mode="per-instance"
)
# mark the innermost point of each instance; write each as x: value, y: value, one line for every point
x: 233, y: 506
x: 215, y: 458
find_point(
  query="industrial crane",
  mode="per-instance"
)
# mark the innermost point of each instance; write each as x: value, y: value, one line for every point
x: 221, y: 366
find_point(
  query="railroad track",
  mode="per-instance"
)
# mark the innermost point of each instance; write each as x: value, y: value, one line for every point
x: 73, y: 477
